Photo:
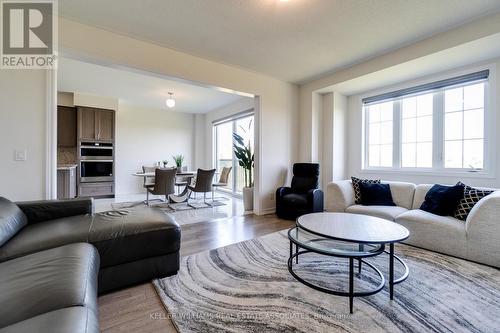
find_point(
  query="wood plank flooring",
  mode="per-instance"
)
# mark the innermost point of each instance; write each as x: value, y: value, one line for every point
x: 139, y: 309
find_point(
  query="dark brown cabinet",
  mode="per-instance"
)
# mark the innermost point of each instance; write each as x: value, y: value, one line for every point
x: 66, y: 183
x: 66, y: 127
x: 106, y: 125
x: 96, y: 124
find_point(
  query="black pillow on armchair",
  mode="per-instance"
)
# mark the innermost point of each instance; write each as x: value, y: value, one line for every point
x: 376, y: 194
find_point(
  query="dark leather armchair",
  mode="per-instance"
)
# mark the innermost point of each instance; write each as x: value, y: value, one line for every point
x: 303, y: 196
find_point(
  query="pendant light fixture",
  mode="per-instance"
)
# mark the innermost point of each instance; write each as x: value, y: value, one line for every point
x: 170, y: 100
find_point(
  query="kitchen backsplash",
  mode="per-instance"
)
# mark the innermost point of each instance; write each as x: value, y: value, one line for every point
x: 66, y: 155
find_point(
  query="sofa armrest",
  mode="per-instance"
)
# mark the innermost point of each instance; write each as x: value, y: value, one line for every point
x: 281, y: 191
x: 483, y: 231
x: 315, y: 200
x: 44, y: 210
x: 339, y: 196
x: 483, y: 218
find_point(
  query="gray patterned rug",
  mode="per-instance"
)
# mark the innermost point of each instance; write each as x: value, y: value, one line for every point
x: 246, y: 287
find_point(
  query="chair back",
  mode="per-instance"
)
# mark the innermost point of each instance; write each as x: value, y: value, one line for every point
x: 305, y: 177
x: 148, y: 180
x: 224, y: 175
x: 164, y: 181
x: 204, y: 179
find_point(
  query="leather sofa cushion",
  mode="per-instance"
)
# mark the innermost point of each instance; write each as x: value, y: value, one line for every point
x: 384, y: 212
x: 47, y: 235
x: 12, y: 219
x: 132, y: 234
x: 46, y: 281
x: 119, y: 236
x: 45, y: 210
x: 75, y: 319
x: 295, y: 200
x: 305, y: 177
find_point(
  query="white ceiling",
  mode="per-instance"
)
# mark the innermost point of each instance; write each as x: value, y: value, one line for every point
x: 138, y: 89
x: 295, y: 40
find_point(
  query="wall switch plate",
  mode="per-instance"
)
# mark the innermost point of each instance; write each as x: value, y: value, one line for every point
x: 20, y: 155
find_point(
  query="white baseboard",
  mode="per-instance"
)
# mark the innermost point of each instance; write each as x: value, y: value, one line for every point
x: 267, y: 211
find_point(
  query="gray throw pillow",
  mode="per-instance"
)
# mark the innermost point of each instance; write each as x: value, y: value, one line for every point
x: 12, y: 219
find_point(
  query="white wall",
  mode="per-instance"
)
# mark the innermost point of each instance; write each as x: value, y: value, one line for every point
x: 355, y: 134
x: 102, y: 102
x: 23, y: 127
x: 145, y: 136
x: 65, y: 99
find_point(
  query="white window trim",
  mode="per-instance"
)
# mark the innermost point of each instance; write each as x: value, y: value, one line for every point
x: 438, y: 169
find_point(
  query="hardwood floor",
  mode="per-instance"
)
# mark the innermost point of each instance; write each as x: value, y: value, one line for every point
x: 139, y: 309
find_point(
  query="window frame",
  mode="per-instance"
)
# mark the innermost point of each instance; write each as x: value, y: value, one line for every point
x: 438, y: 141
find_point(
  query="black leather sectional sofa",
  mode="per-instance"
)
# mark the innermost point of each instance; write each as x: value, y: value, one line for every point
x: 57, y: 256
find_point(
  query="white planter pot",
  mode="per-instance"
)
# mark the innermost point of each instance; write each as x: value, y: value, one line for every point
x: 248, y: 198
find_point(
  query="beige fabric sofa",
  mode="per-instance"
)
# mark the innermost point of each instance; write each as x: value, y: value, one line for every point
x: 476, y: 239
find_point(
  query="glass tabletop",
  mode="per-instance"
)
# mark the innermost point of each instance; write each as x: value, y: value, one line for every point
x: 353, y: 228
x: 315, y: 243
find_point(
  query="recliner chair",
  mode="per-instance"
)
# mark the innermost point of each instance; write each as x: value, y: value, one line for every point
x: 303, y: 196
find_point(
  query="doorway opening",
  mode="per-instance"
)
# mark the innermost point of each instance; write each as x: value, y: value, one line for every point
x: 224, y: 155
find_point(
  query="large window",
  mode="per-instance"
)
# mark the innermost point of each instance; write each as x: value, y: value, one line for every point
x: 437, y: 126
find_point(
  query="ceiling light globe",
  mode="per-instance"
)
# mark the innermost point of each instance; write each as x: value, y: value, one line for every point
x: 170, y: 102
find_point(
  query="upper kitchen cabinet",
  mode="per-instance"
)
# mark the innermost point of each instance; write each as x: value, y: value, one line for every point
x: 96, y: 124
x: 66, y: 127
x: 106, y: 125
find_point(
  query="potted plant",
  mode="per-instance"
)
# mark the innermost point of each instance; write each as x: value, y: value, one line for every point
x: 178, y: 159
x: 245, y: 156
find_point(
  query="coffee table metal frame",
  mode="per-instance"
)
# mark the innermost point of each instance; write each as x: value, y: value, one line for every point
x: 375, y: 248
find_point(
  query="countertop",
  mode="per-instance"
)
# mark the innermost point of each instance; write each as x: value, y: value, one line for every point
x: 66, y: 166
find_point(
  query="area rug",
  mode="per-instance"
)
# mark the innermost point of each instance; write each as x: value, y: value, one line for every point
x: 173, y: 207
x: 246, y: 287
x: 182, y: 213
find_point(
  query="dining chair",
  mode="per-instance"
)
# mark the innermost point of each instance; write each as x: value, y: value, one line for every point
x: 164, y: 184
x: 148, y: 181
x: 223, y: 180
x: 204, y: 180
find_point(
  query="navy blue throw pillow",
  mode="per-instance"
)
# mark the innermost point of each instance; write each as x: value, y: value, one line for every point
x: 376, y: 194
x: 443, y: 200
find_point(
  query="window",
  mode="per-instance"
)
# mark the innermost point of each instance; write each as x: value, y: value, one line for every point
x: 242, y: 124
x: 437, y: 126
x: 416, y: 131
x: 380, y: 134
x: 464, y: 127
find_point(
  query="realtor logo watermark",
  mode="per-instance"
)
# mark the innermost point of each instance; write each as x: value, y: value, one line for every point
x: 29, y: 34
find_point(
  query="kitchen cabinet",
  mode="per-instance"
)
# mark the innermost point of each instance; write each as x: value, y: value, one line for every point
x: 104, y: 189
x: 96, y: 124
x: 66, y: 127
x: 66, y: 182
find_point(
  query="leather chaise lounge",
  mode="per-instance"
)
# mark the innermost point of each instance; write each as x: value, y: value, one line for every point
x: 57, y: 256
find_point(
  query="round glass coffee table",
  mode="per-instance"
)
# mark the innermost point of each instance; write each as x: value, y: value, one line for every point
x: 350, y: 236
